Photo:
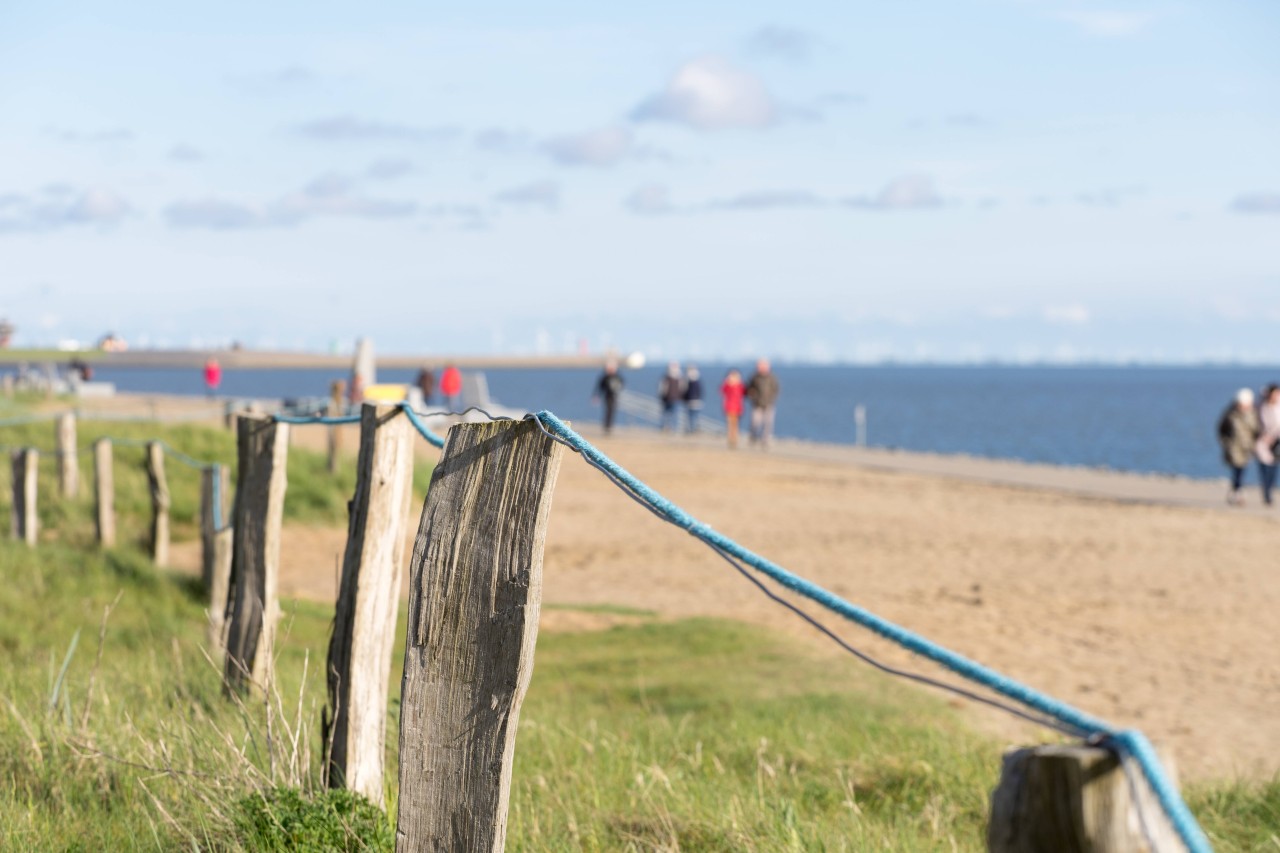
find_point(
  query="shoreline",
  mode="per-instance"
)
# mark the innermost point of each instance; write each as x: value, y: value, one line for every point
x: 1128, y: 487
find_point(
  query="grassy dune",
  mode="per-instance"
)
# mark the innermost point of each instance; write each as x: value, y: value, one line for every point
x: 696, y: 735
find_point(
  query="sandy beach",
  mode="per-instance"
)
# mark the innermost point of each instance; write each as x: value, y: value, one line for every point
x: 1143, y: 600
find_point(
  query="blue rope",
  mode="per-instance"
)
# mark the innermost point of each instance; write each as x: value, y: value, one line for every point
x: 316, y: 419
x: 1131, y: 742
x: 423, y: 430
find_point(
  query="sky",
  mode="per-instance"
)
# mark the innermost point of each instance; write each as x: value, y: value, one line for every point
x: 922, y: 181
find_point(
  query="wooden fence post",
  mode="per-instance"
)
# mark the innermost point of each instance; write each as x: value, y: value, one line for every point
x: 159, y: 503
x: 68, y: 460
x: 213, y: 517
x: 104, y: 492
x: 473, y: 620
x: 364, y: 625
x: 252, y: 608
x: 1075, y: 799
x: 219, y: 585
x: 337, y: 389
x: 26, y: 520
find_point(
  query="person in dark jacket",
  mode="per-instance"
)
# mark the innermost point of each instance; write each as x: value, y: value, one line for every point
x: 608, y: 387
x: 693, y: 396
x: 426, y: 382
x: 763, y: 391
x: 671, y: 393
x: 1238, y: 429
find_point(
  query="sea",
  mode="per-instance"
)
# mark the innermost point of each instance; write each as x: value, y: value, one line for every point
x: 1144, y: 419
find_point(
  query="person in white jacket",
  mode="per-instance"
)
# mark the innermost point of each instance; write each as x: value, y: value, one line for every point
x: 1268, y: 439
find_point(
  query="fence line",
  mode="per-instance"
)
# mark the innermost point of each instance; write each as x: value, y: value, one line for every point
x: 1127, y: 745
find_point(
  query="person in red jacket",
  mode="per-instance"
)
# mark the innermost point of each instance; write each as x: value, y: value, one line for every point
x: 732, y: 391
x: 450, y: 386
x: 212, y: 375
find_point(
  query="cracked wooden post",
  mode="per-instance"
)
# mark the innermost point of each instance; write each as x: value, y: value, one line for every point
x: 1067, y: 798
x: 159, y: 503
x: 26, y: 520
x: 68, y: 459
x: 252, y: 607
x: 364, y: 627
x: 473, y: 618
x: 104, y: 492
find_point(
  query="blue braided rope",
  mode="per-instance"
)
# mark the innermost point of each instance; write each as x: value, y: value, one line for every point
x: 418, y: 424
x: 1131, y: 742
x: 26, y: 419
x: 316, y: 419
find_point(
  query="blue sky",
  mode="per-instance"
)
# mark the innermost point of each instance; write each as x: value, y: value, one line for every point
x: 943, y: 181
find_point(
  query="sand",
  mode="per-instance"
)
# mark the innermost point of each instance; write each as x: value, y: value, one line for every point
x: 1143, y: 600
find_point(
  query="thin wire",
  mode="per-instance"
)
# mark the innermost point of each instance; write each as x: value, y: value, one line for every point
x: 1049, y: 723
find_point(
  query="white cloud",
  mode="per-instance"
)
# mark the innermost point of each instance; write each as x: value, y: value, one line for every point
x: 347, y: 128
x: 184, y: 153
x: 1256, y: 203
x: 604, y: 147
x: 60, y: 206
x: 909, y: 192
x: 1067, y: 315
x: 649, y: 199
x: 786, y: 43
x: 327, y: 195
x: 388, y: 168
x: 1107, y: 24
x: 708, y: 93
x: 537, y: 193
x: 770, y: 200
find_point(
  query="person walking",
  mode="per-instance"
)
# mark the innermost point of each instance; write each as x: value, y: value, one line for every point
x: 731, y: 393
x: 451, y: 386
x: 763, y: 391
x: 693, y: 396
x: 212, y: 376
x: 1268, y: 439
x: 426, y: 383
x: 1237, y: 435
x: 671, y: 393
x: 608, y: 387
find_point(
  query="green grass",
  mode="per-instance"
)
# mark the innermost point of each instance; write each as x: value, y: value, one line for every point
x: 313, y: 496
x: 693, y: 735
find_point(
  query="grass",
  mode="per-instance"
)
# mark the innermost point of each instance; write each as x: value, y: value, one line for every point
x: 693, y: 735
x: 313, y: 496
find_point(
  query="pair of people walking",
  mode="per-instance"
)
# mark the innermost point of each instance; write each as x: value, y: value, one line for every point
x: 762, y: 392
x: 1247, y: 432
x: 678, y: 388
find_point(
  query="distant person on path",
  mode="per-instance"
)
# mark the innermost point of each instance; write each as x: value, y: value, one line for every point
x: 212, y: 376
x: 1237, y: 434
x: 731, y: 392
x: 451, y: 387
x: 426, y: 383
x: 671, y: 393
x: 608, y: 387
x: 762, y: 391
x: 693, y: 396
x: 1268, y: 428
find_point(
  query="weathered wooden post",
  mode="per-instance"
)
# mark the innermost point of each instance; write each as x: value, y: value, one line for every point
x: 368, y: 600
x: 219, y: 585
x: 26, y: 520
x: 68, y: 460
x: 337, y: 389
x: 214, y: 485
x: 473, y: 618
x: 1075, y: 799
x: 159, y: 503
x: 252, y: 607
x: 104, y: 492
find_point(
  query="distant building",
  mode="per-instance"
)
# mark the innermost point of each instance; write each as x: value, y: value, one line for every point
x: 6, y: 333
